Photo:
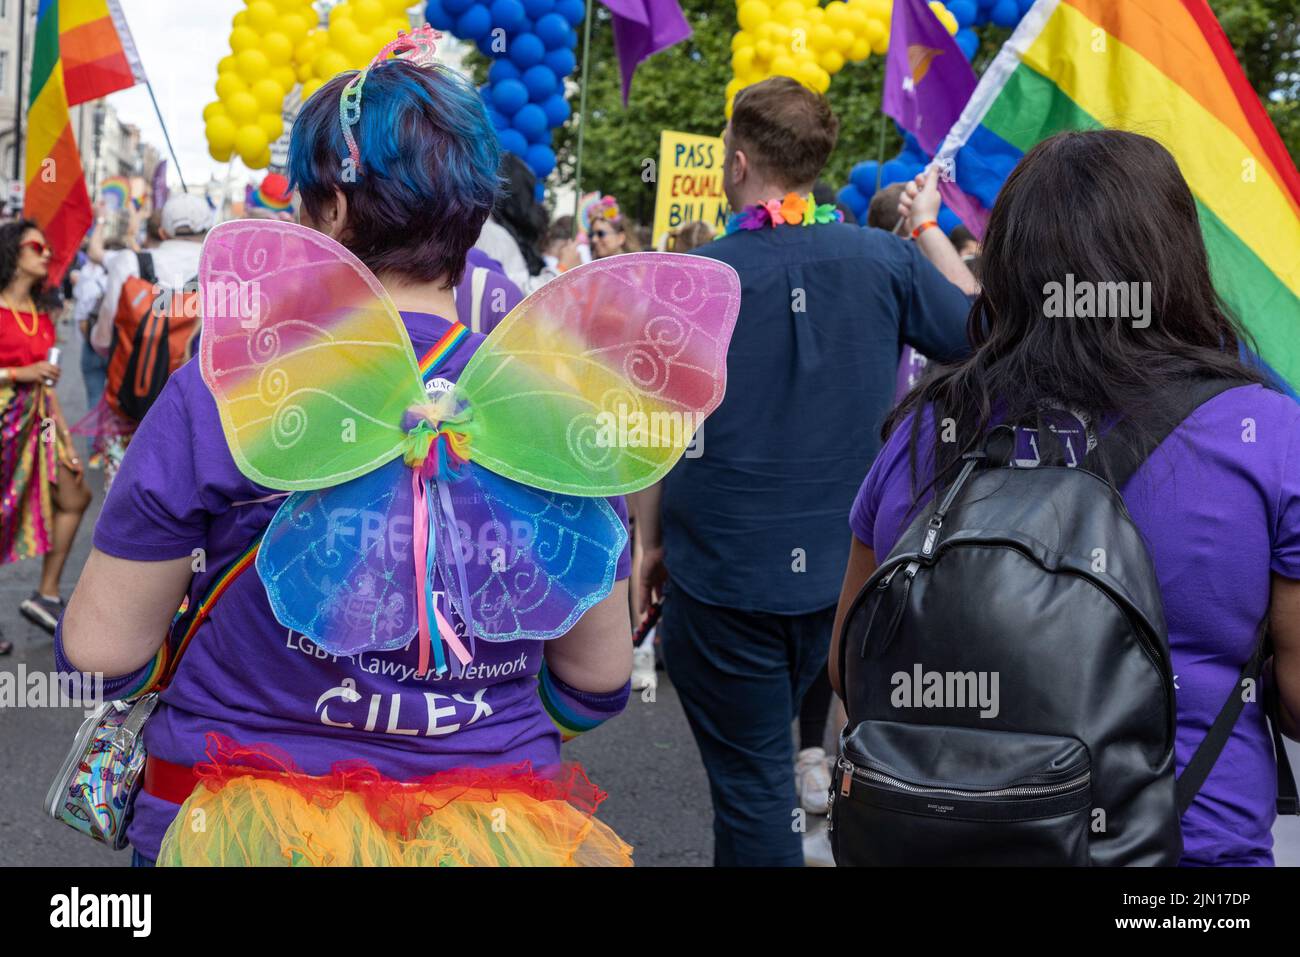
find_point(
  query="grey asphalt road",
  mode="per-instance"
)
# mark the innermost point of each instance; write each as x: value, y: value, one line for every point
x: 646, y: 760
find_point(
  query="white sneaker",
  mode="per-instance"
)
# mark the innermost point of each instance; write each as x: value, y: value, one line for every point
x: 813, y: 780
x: 643, y: 665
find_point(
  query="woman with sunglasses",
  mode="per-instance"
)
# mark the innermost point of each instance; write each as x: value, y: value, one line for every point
x: 43, y: 493
x: 610, y: 231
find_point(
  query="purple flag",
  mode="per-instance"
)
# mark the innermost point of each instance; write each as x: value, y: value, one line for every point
x: 641, y: 29
x: 159, y: 185
x: 927, y: 78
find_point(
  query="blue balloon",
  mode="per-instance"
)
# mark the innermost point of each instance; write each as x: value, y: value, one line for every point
x: 562, y: 61
x: 573, y: 39
x: 552, y: 30
x: 575, y: 11
x: 541, y: 82
x: 527, y: 49
x: 457, y: 7
x: 474, y: 23
x: 438, y: 16
x: 852, y: 197
x: 537, y: 9
x: 540, y: 159
x: 557, y: 110
x: 502, y: 70
x: 531, y: 121
x: 484, y: 44
x: 539, y: 192
x: 498, y: 120
x: 863, y: 176
x: 968, y: 42
x: 964, y: 11
x: 508, y: 96
x: 895, y: 171
x: 509, y: 15
x: 1025, y: 5
x: 512, y: 141
x: 1005, y: 13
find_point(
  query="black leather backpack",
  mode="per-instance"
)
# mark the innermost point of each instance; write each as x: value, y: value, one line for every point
x: 1007, y: 678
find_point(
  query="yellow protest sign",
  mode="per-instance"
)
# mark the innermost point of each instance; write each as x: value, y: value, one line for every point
x: 689, y: 183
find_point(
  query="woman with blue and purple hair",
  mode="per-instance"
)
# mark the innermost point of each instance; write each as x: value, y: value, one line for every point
x: 308, y: 756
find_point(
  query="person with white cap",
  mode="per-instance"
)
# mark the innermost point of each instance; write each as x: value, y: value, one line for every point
x: 186, y: 220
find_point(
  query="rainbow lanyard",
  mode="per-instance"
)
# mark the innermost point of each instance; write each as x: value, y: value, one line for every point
x: 793, y: 210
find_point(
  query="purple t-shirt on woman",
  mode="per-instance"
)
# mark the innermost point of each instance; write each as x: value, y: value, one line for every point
x: 1218, y: 504
x: 251, y: 679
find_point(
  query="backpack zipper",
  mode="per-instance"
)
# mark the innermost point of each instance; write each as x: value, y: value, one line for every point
x: 851, y: 771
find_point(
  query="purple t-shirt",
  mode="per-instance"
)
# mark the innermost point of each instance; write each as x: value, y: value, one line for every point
x: 1219, y: 506
x: 248, y: 677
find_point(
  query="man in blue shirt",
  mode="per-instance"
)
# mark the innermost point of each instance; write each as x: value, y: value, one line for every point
x: 754, y: 530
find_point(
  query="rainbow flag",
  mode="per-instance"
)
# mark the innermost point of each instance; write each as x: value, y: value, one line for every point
x: 56, y: 194
x: 99, y: 54
x: 1163, y: 68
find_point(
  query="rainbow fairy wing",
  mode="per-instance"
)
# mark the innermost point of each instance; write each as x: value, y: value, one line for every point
x: 338, y: 565
x: 596, y: 383
x: 533, y: 561
x: 305, y: 354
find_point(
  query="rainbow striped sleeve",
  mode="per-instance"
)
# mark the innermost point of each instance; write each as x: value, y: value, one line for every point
x: 574, y: 712
x: 1165, y: 69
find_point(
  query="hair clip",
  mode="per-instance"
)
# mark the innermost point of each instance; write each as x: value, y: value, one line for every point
x: 418, y: 48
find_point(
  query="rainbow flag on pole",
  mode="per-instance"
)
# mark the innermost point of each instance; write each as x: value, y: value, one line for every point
x: 1165, y: 69
x: 56, y: 186
x: 99, y: 54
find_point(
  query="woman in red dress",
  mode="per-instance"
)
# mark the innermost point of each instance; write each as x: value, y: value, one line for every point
x: 43, y: 492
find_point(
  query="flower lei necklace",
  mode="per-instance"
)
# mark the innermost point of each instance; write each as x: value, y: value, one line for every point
x: 794, y: 210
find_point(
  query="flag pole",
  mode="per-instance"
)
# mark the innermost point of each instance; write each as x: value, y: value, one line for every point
x: 582, y: 119
x: 18, y: 100
x: 166, y: 136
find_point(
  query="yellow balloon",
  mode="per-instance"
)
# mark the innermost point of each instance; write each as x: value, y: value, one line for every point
x: 763, y: 51
x: 221, y: 132
x: 305, y: 73
x: 784, y: 65
x: 242, y: 107
x: 269, y: 95
x: 397, y: 25
x: 781, y: 36
x: 228, y: 84
x: 741, y: 39
x: 310, y: 86
x: 272, y: 125
x: 811, y: 75
x: 215, y: 108
x: 742, y: 61
x: 789, y: 10
x: 307, y: 50
x: 253, y: 65
x: 822, y: 37
x: 368, y: 14
x: 227, y: 64
x: 753, y: 13
x: 294, y: 26
x: 250, y: 141
x: 329, y: 64
x: 340, y: 29
x: 262, y: 16
x: 343, y: 10
x: 874, y: 32
x: 361, y: 48
x: 285, y: 76
x: 277, y: 47
x: 879, y: 9
x: 832, y: 61
x: 240, y: 20
x: 263, y: 161
x: 837, y: 14
x: 221, y: 156
x: 734, y: 87
x: 244, y: 38
x: 394, y: 7
x: 860, y: 50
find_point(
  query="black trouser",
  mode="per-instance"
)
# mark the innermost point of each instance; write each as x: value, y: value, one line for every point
x: 741, y: 676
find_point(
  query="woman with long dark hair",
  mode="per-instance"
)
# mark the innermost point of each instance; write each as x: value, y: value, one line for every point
x: 514, y: 231
x: 1217, y: 502
x: 43, y: 492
